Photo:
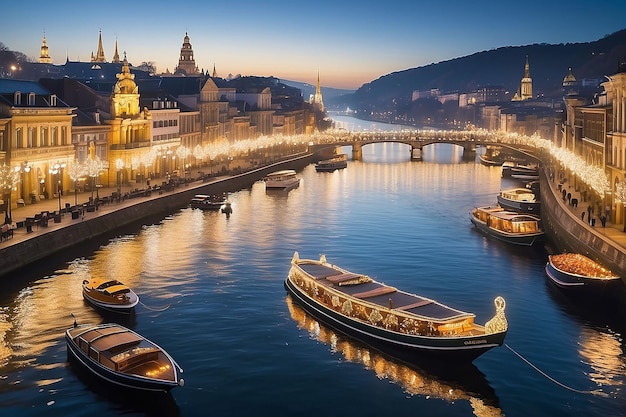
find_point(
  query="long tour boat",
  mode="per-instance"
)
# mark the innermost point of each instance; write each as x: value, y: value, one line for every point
x: 328, y: 165
x: 110, y: 295
x: 208, y: 202
x: 574, y: 270
x: 516, y: 228
x: 522, y: 200
x: 284, y: 179
x: 384, y: 316
x: 122, y: 357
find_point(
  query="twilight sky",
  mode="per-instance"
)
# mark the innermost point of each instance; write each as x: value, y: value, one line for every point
x: 349, y: 42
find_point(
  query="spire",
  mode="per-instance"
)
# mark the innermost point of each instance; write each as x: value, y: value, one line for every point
x: 214, y: 72
x: 317, y: 99
x: 527, y: 69
x: 186, y: 63
x: 116, y: 55
x: 44, y: 57
x: 99, y: 57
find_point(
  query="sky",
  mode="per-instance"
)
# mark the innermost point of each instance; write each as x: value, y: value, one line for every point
x: 349, y: 43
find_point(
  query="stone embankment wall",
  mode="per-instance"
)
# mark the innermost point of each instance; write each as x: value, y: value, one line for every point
x: 43, y: 245
x: 569, y: 233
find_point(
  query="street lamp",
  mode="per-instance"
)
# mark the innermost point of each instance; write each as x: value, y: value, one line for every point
x: 56, y: 170
x: 119, y: 165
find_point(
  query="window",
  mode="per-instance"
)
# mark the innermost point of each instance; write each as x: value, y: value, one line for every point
x: 17, y: 98
x: 31, y: 99
x: 31, y: 137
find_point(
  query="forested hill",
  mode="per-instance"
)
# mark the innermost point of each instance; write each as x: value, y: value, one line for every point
x: 499, y: 67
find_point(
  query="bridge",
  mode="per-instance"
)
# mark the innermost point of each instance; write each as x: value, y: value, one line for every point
x: 417, y: 139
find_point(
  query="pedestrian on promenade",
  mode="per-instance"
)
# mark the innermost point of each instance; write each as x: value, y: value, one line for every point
x: 603, y: 220
x: 582, y: 216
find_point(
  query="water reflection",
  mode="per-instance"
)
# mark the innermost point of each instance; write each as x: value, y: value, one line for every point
x: 601, y: 344
x: 465, y: 383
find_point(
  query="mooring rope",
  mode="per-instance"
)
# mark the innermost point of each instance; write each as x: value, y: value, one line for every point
x: 155, y: 309
x: 594, y: 392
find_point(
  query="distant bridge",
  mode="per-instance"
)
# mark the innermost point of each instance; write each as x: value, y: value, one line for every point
x: 417, y: 139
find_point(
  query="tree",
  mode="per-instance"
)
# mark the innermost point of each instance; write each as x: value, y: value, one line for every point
x: 147, y: 66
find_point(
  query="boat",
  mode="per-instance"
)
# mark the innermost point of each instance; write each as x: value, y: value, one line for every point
x: 208, y: 202
x: 110, y: 295
x: 519, y: 171
x: 122, y: 357
x: 574, y: 270
x: 284, y: 179
x: 522, y: 200
x: 384, y: 316
x: 328, y: 165
x: 511, y: 227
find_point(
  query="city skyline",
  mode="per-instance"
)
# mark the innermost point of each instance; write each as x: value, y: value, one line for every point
x: 348, y: 45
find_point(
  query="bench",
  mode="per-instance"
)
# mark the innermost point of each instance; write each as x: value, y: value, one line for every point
x: 20, y: 202
x: 375, y: 292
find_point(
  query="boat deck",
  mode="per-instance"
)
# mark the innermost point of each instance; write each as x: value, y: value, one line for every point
x: 381, y: 294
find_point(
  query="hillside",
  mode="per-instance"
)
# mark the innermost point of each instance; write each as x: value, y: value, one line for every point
x: 499, y: 67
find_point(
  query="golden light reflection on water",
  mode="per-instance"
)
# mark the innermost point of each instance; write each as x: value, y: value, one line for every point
x: 604, y: 354
x: 412, y: 380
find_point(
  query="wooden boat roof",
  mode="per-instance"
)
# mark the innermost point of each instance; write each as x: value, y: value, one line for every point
x: 108, y: 338
x: 381, y: 294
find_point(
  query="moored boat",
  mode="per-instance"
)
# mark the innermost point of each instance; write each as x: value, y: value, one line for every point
x: 122, y: 357
x: 574, y: 270
x: 522, y: 200
x: 519, y: 171
x: 516, y: 228
x: 328, y: 165
x: 110, y: 295
x: 382, y: 315
x: 281, y: 179
x: 208, y: 202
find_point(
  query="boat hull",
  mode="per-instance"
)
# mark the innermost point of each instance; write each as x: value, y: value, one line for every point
x: 126, y: 308
x: 449, y: 348
x: 126, y: 381
x: 563, y: 279
x: 328, y: 166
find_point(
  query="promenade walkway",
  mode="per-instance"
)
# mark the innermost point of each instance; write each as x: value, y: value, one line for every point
x: 51, y: 205
x: 611, y: 233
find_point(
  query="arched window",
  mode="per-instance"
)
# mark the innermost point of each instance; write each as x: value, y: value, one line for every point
x: 17, y: 98
x: 31, y: 99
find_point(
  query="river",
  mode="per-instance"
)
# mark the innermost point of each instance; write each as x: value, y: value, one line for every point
x: 211, y: 289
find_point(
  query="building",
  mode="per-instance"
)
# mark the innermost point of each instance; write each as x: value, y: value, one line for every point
x: 35, y: 141
x: 186, y: 62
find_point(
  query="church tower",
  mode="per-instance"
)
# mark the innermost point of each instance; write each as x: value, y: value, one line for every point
x: 317, y: 98
x: 526, y: 91
x: 99, y: 57
x: 116, y: 55
x: 44, y: 56
x: 186, y: 63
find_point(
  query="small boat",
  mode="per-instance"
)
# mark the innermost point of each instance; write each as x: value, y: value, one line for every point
x: 574, y: 270
x: 122, y: 357
x: 208, y: 202
x: 382, y: 315
x: 522, y: 200
x: 110, y: 295
x: 511, y: 227
x: 329, y: 165
x: 284, y: 179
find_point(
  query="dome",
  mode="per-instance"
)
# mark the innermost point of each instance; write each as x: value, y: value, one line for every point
x: 569, y: 78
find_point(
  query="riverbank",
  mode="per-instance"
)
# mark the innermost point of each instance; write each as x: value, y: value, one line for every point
x: 37, y: 242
